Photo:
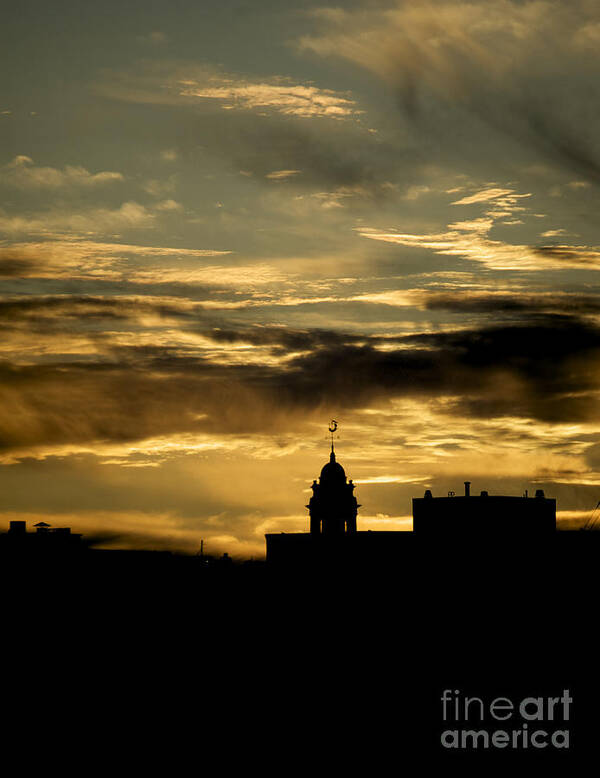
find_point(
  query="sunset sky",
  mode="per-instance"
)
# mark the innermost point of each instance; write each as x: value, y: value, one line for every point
x: 223, y: 223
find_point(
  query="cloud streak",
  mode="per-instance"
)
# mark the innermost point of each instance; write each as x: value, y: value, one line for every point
x: 528, y: 70
x: 180, y: 84
x: 470, y: 239
x: 95, y: 259
x: 303, y: 100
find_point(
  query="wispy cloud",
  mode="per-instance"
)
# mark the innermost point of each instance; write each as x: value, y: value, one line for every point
x: 470, y: 239
x: 24, y: 174
x: 470, y: 242
x: 117, y: 262
x: 281, y: 95
x: 277, y: 175
x: 88, y: 221
x: 487, y: 194
x: 86, y: 258
x: 179, y: 83
x: 525, y: 70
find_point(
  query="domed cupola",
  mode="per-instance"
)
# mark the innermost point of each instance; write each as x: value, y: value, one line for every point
x: 333, y: 506
x: 332, y: 472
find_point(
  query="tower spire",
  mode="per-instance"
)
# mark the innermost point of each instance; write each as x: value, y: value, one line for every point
x: 333, y: 506
x: 333, y: 425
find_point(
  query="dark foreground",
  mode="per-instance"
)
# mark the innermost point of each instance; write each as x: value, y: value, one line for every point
x: 342, y: 666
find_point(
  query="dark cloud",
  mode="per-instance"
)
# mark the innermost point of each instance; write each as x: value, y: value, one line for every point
x: 281, y: 338
x: 85, y: 315
x: 40, y: 288
x: 571, y: 254
x: 76, y: 307
x: 14, y: 265
x: 516, y: 304
x: 545, y: 370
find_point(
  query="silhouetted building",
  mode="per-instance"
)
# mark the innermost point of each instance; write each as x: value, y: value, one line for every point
x: 46, y: 540
x: 333, y: 532
x: 334, y: 536
x: 333, y: 506
x: 483, y: 515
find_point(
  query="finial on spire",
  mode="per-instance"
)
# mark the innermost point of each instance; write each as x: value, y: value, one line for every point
x: 333, y: 425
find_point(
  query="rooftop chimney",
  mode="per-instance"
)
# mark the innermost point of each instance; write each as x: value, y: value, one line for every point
x: 467, y: 488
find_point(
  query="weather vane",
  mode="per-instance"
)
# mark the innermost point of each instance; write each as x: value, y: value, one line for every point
x: 333, y: 425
